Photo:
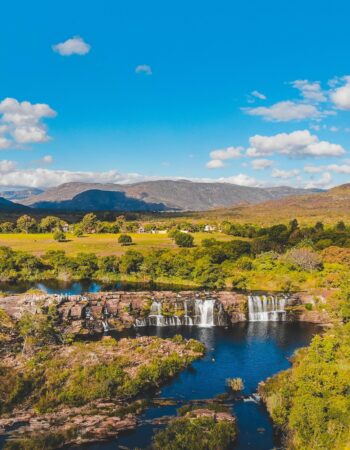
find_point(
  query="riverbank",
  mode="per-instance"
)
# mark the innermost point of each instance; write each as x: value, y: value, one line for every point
x: 85, y: 392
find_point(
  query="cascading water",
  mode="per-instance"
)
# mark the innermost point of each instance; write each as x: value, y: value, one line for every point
x: 204, y: 310
x: 266, y: 308
x: 197, y: 312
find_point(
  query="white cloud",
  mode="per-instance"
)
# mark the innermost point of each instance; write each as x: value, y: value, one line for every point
x: 285, y: 111
x: 242, y: 179
x: 22, y: 122
x: 311, y: 91
x: 325, y: 182
x: 227, y: 153
x: 296, y: 144
x: 144, y: 68
x: 258, y: 95
x: 313, y: 169
x: 336, y: 168
x: 7, y: 166
x: 73, y: 46
x: 4, y: 143
x: 218, y: 156
x: 285, y: 174
x: 261, y: 164
x: 215, y: 164
x: 341, y: 96
x: 47, y: 159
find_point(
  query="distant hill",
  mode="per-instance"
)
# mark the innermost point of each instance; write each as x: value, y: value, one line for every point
x: 7, y: 206
x: 16, y: 195
x: 327, y: 206
x: 161, y: 195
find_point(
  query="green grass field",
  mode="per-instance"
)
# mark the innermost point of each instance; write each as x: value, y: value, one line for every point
x: 100, y: 244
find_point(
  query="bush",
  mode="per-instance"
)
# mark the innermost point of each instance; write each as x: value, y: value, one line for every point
x: 235, y: 384
x: 59, y: 236
x: 125, y: 239
x: 184, y: 239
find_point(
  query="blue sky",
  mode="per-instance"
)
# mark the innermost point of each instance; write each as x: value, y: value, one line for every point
x: 254, y: 93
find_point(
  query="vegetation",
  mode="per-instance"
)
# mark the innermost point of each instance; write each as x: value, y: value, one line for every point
x: 125, y: 239
x: 235, y: 384
x: 198, y: 429
x: 280, y: 257
x: 76, y: 374
x: 311, y: 401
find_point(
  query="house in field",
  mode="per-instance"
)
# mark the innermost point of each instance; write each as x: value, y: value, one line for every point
x: 141, y: 230
x: 65, y: 228
x: 209, y: 228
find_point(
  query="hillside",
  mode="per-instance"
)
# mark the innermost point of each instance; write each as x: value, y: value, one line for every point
x: 158, y: 195
x: 328, y: 207
x: 7, y: 206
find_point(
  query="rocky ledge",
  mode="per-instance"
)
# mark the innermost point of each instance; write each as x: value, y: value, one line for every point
x: 99, y: 312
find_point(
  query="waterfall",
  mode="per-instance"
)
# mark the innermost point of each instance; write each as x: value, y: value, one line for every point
x: 105, y: 326
x: 187, y: 312
x: 204, y: 310
x: 266, y: 308
x: 187, y: 320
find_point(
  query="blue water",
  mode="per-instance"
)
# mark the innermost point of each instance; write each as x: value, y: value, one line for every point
x: 252, y: 351
x: 84, y: 286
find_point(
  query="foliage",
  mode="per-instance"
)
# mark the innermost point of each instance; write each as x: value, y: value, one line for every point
x: 235, y: 384
x: 184, y: 239
x: 59, y: 236
x: 198, y: 433
x: 125, y: 239
x: 312, y: 400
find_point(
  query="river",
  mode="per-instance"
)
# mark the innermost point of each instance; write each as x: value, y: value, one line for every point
x: 252, y: 351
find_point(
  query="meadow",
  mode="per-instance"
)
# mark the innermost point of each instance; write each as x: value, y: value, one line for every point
x: 103, y: 244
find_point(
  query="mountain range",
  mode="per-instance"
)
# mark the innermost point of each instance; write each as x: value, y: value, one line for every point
x: 160, y: 195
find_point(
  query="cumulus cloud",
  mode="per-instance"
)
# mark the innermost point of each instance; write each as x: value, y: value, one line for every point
x: 7, y: 166
x: 296, y: 144
x: 341, y: 95
x: 311, y: 91
x: 285, y: 111
x: 285, y: 174
x: 336, y: 168
x: 324, y: 182
x: 73, y: 46
x: 261, y: 164
x: 144, y: 69
x: 218, y: 156
x: 227, y: 153
x: 242, y: 179
x: 215, y: 164
x: 22, y: 122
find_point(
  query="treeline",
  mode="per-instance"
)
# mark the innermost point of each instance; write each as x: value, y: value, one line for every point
x: 281, y: 236
x: 208, y: 265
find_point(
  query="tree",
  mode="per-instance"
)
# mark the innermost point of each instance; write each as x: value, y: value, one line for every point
x: 7, y: 227
x: 78, y: 232
x: 340, y: 226
x: 293, y: 224
x: 26, y: 223
x: 59, y: 236
x: 89, y: 223
x: 50, y: 223
x: 131, y: 262
x: 125, y: 239
x: 184, y: 239
x: 304, y: 258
